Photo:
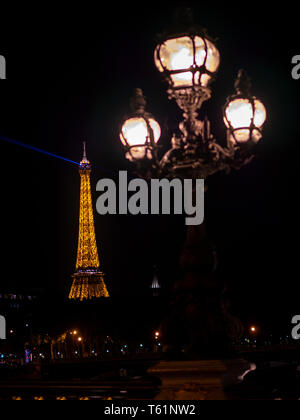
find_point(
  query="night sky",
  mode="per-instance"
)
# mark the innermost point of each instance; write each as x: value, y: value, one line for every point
x: 69, y: 78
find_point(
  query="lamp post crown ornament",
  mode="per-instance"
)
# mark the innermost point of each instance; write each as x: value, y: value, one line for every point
x: 138, y: 102
x: 243, y: 83
x: 183, y: 23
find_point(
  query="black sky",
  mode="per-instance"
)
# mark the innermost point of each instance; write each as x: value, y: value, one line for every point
x: 69, y: 77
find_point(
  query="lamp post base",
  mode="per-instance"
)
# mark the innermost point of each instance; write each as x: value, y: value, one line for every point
x: 198, y: 379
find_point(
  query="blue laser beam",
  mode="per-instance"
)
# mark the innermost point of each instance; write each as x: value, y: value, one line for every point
x: 44, y: 152
x: 36, y: 149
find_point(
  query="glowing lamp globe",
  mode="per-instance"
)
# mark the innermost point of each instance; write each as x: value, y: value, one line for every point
x: 187, y: 61
x: 138, y: 135
x: 244, y: 115
x: 245, y: 119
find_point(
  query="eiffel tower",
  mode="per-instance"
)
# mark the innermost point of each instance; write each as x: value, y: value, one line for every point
x: 88, y: 280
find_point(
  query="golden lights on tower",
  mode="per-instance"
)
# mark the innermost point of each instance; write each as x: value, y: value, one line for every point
x: 88, y: 280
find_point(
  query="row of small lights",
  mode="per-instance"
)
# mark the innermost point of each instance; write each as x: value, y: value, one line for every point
x: 75, y: 332
x: 252, y: 330
x: 79, y: 339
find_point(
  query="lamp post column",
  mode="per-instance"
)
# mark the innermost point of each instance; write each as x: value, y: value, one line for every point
x: 198, y: 321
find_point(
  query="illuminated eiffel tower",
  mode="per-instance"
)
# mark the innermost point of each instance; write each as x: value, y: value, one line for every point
x: 88, y: 280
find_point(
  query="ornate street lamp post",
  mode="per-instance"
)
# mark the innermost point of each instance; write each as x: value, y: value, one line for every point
x: 189, y: 61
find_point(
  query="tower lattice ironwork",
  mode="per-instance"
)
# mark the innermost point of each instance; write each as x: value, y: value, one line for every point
x: 88, y: 280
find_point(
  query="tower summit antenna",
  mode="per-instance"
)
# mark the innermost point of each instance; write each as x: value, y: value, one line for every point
x: 84, y: 151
